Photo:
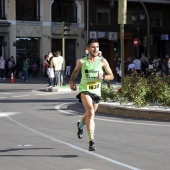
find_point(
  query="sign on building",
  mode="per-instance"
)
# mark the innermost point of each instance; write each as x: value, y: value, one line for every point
x: 113, y: 36
x: 93, y: 34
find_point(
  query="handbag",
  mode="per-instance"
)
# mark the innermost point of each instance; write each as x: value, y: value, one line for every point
x: 50, y: 72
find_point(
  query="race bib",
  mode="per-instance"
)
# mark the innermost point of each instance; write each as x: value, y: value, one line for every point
x: 93, y: 85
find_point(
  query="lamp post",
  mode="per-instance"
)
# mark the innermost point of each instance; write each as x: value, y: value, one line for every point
x: 148, y: 29
x: 122, y: 13
x: 137, y: 18
x: 87, y: 36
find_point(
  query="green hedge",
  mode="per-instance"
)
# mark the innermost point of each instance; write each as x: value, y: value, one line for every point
x: 139, y: 90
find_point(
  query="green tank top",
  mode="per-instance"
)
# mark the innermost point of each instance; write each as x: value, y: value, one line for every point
x: 89, y: 81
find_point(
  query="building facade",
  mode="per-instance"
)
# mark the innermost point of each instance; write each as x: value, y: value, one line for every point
x: 103, y: 24
x: 33, y: 28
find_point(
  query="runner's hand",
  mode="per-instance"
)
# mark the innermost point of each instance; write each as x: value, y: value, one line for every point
x: 73, y: 86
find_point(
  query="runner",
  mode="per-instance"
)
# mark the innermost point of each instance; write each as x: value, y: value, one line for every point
x: 90, y: 87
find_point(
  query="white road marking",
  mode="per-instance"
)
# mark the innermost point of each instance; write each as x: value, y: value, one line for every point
x: 4, y: 114
x: 86, y: 169
x: 7, y: 93
x: 21, y: 96
x: 73, y: 146
x: 42, y: 94
x: 2, y: 97
x: 27, y: 145
x: 108, y: 120
x: 37, y: 91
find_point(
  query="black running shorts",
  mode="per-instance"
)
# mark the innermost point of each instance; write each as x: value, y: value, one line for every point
x: 95, y: 98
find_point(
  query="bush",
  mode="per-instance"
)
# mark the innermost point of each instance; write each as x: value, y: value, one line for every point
x: 140, y: 90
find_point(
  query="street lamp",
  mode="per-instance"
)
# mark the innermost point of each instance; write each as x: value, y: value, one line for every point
x: 137, y: 18
x: 148, y: 28
x: 122, y: 13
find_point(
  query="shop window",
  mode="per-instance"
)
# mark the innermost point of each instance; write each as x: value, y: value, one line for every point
x: 103, y: 17
x: 27, y: 47
x: 28, y: 10
x: 64, y: 10
x: 2, y: 9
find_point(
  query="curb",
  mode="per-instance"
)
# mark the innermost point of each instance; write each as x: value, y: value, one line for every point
x: 137, y: 113
x: 122, y: 111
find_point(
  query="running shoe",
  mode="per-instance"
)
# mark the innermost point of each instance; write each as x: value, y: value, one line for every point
x: 80, y: 131
x: 92, y: 145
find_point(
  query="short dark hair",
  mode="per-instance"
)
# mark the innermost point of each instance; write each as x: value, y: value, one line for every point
x: 57, y: 53
x: 92, y: 40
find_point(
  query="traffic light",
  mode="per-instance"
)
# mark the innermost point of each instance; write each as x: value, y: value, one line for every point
x: 116, y: 45
x: 65, y: 28
x: 65, y: 31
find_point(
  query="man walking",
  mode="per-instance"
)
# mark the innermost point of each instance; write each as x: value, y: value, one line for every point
x: 57, y: 63
x: 90, y: 87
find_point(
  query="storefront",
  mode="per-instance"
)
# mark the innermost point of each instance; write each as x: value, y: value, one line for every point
x: 27, y: 47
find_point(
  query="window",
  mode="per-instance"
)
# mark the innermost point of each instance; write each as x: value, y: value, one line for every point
x: 103, y: 17
x: 26, y: 47
x: 64, y: 10
x: 156, y: 18
x: 2, y: 9
x: 28, y: 10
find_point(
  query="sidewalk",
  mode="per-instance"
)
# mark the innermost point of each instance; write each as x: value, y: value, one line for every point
x: 104, y: 107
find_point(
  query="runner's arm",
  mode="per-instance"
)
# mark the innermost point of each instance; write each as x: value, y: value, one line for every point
x: 74, y: 74
x: 109, y: 75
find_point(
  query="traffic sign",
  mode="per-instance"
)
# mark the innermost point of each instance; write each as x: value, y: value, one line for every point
x: 136, y: 42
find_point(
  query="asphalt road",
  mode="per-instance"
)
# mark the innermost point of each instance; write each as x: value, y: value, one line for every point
x: 38, y: 132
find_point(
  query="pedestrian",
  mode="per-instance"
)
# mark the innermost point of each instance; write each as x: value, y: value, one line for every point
x: 25, y: 69
x: 18, y: 68
x: 68, y: 66
x: 34, y: 69
x: 90, y: 87
x: 46, y: 65
x: 2, y: 68
x: 11, y: 66
x: 86, y: 52
x: 118, y: 74
x: 57, y: 63
x: 131, y: 68
x: 137, y: 63
x: 50, y: 71
x: 144, y: 65
x: 167, y: 66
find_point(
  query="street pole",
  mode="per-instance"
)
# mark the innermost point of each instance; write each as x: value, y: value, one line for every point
x: 63, y: 52
x: 148, y: 29
x: 138, y: 41
x: 87, y: 36
x: 122, y: 12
